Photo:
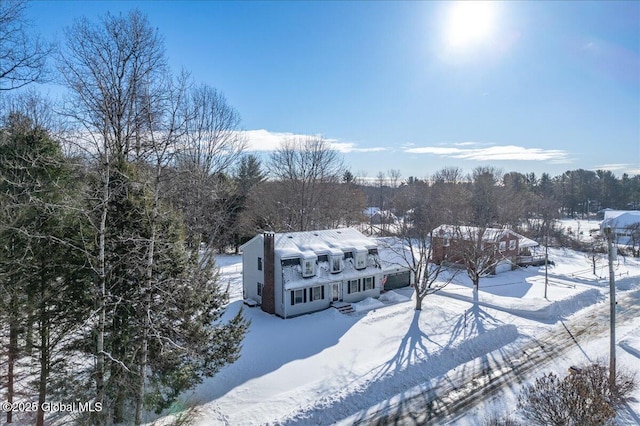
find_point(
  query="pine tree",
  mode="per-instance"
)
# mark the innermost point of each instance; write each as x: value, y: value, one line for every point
x: 42, y: 266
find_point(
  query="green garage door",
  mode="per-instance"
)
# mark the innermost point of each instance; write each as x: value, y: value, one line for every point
x: 397, y: 280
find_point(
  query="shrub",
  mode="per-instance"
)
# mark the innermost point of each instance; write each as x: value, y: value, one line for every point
x: 496, y: 420
x: 583, y: 398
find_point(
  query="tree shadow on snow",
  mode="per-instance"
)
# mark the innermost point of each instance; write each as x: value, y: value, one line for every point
x: 412, y: 348
x: 272, y: 342
x: 406, y: 379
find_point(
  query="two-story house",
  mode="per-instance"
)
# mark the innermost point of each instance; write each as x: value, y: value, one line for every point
x: 295, y: 273
x: 499, y: 245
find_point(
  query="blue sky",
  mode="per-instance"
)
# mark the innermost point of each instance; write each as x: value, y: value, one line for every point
x: 416, y: 86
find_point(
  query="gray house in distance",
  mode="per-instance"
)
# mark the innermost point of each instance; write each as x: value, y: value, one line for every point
x: 296, y: 273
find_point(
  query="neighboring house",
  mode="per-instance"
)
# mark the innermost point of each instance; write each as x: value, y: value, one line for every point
x: 625, y: 223
x: 375, y: 216
x: 528, y: 254
x: 502, y: 246
x: 295, y: 273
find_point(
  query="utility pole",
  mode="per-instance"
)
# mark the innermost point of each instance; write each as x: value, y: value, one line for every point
x: 608, y: 230
x: 546, y: 261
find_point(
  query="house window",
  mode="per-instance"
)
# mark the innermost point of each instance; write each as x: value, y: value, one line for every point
x: 298, y: 297
x: 259, y: 264
x: 368, y: 283
x: 260, y: 289
x: 308, y: 267
x: 352, y: 286
x: 446, y: 242
x: 290, y: 262
x: 317, y: 293
x: 336, y: 265
x: 503, y: 245
x: 512, y: 244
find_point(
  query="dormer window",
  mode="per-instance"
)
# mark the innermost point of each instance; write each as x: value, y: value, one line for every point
x: 361, y: 259
x: 336, y: 264
x: 308, y: 267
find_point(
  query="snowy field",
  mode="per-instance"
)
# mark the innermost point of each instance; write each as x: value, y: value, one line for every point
x: 327, y: 367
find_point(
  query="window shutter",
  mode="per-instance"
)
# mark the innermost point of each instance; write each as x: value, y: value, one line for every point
x: 359, y: 284
x: 322, y: 292
x: 293, y: 297
x: 348, y: 287
x: 305, y: 295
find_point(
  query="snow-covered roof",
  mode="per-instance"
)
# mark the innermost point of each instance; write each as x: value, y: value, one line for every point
x: 620, y: 219
x: 612, y: 214
x: 490, y: 234
x: 329, y: 241
x: 393, y: 253
x: 526, y: 242
x: 370, y: 211
x: 469, y: 232
x: 293, y: 278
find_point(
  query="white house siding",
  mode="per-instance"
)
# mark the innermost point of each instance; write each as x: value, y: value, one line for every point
x: 362, y: 294
x: 307, y: 306
x: 324, y: 247
x: 251, y: 276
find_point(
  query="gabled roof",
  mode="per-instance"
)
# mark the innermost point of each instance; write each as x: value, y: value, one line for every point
x: 313, y: 243
x: 526, y: 242
x: 329, y: 241
x: 469, y: 232
x: 613, y: 214
x: 620, y: 219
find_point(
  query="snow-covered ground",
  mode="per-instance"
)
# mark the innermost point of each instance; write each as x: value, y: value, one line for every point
x: 328, y: 367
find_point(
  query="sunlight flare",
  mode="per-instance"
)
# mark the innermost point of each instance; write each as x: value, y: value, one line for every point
x: 470, y: 22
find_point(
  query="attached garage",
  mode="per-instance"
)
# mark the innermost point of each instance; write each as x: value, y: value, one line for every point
x: 502, y: 266
x: 397, y: 280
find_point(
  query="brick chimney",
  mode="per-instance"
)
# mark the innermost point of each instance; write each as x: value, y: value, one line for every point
x: 268, y: 290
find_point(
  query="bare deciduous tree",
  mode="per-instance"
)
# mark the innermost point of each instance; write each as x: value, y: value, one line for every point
x: 23, y: 54
x: 474, y: 248
x: 308, y: 169
x: 484, y: 195
x: 212, y: 141
x: 412, y: 240
x: 109, y: 69
x: 210, y: 146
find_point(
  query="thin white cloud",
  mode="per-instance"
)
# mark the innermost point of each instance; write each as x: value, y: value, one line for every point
x: 613, y: 167
x: 630, y: 169
x: 495, y: 153
x: 437, y: 150
x: 472, y: 144
x: 264, y: 140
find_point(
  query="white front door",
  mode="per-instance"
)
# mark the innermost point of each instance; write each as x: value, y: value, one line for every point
x: 336, y: 292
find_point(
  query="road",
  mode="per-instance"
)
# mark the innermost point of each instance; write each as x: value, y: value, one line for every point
x: 450, y: 401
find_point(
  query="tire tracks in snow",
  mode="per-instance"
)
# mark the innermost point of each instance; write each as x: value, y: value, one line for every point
x: 450, y: 401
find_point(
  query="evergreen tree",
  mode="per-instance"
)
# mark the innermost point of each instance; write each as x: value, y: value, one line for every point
x: 41, y: 266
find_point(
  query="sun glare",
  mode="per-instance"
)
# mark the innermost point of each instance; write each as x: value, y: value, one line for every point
x: 470, y: 22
